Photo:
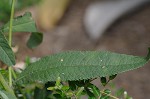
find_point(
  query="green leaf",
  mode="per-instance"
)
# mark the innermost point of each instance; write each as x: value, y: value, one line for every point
x: 106, y: 95
x: 90, y: 94
x: 95, y: 90
x: 107, y: 91
x: 35, y: 39
x: 6, y: 54
x: 65, y: 88
x: 6, y: 95
x: 103, y: 81
x: 58, y: 81
x: 25, y: 23
x: 112, y: 77
x: 78, y: 65
x: 51, y: 88
x: 79, y: 91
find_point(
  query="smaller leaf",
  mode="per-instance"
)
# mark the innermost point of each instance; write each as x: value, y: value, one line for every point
x: 89, y: 93
x: 65, y: 88
x: 23, y: 23
x: 148, y: 55
x: 112, y: 77
x: 107, y: 91
x: 6, y: 95
x: 103, y: 81
x: 6, y: 54
x: 35, y: 39
x: 51, y: 88
x: 69, y: 94
x: 63, y: 95
x: 94, y: 90
x: 79, y: 92
x: 58, y: 81
x: 105, y: 94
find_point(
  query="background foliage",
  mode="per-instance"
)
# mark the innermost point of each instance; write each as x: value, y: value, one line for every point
x: 5, y: 7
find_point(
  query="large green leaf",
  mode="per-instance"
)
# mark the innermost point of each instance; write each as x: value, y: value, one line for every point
x: 25, y: 23
x: 6, y: 95
x: 77, y: 65
x: 6, y: 53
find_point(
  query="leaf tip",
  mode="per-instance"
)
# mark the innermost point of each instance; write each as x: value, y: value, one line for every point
x: 148, y: 55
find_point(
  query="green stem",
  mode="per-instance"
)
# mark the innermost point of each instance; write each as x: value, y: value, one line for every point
x: 11, y: 21
x: 13, y: 73
x: 5, y: 85
x: 80, y: 90
x: 109, y: 95
x: 10, y: 37
x: 10, y: 76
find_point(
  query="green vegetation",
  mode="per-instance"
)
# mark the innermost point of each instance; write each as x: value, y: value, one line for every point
x: 66, y: 75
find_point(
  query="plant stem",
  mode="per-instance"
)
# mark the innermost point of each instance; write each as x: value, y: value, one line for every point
x: 80, y: 90
x: 109, y: 95
x: 13, y: 73
x: 5, y: 85
x: 11, y: 21
x: 10, y: 37
x: 10, y: 76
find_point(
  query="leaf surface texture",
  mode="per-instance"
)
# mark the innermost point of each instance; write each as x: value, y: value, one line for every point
x: 6, y: 54
x: 77, y: 65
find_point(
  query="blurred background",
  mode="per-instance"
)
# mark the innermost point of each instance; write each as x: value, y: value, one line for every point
x: 121, y: 26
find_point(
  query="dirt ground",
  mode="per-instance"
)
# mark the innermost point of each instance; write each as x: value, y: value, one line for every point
x: 129, y: 35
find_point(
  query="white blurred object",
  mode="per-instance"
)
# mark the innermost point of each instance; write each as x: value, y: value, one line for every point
x: 19, y: 66
x: 100, y: 15
x: 34, y: 59
x: 15, y: 49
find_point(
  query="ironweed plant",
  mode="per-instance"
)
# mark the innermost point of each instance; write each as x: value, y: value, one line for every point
x: 66, y: 75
